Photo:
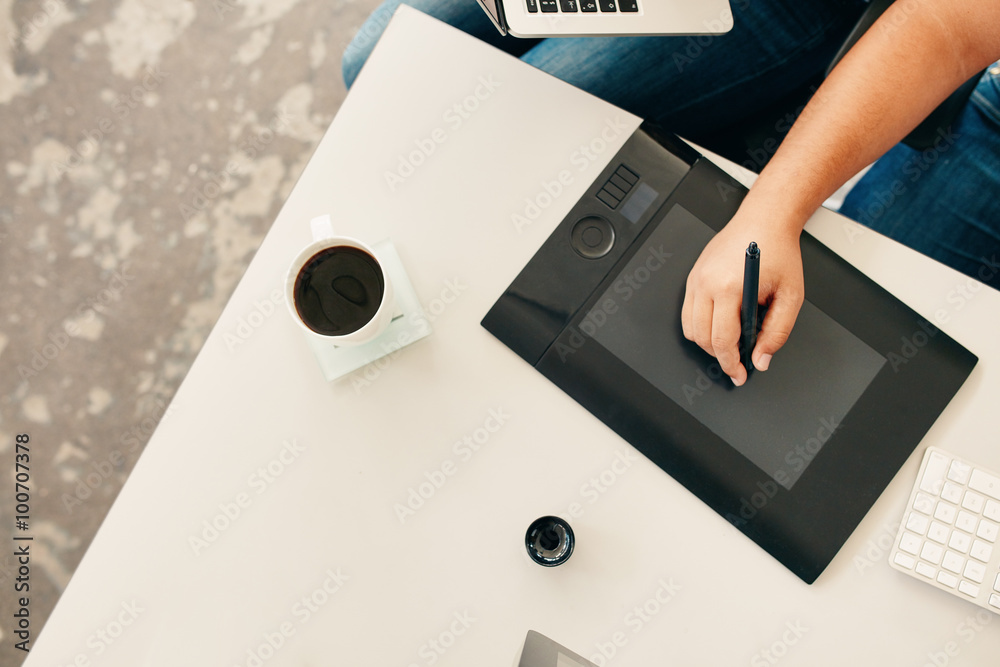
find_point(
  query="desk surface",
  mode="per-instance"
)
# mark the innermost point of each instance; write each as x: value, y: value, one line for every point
x: 265, y: 522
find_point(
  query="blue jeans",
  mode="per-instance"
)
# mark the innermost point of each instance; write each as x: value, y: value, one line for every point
x: 691, y: 85
x: 943, y: 204
x: 943, y: 201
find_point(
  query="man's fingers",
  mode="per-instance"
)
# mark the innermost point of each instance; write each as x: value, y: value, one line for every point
x: 726, y: 337
x: 687, y: 317
x: 701, y: 324
x: 777, y: 327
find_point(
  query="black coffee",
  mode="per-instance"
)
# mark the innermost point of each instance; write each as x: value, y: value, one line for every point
x: 339, y: 290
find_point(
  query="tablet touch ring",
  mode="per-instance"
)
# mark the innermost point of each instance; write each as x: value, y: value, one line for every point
x: 593, y: 237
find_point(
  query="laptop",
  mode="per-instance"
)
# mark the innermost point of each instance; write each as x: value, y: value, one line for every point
x: 567, y: 18
x: 540, y: 651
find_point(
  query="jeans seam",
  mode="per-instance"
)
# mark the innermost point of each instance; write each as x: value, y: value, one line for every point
x: 986, y: 106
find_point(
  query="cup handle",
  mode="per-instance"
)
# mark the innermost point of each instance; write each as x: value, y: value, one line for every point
x: 322, y: 228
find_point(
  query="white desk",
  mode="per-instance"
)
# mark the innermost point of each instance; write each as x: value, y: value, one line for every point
x: 452, y: 585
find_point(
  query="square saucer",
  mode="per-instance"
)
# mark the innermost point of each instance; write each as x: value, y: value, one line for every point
x: 408, y: 324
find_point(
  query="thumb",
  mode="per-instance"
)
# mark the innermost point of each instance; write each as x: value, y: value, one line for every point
x: 776, y: 328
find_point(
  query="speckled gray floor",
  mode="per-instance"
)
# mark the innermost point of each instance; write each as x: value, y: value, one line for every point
x: 146, y: 147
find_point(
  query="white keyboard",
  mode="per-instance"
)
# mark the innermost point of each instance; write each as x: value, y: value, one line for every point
x: 949, y: 533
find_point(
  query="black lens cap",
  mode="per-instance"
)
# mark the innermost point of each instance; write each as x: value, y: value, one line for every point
x: 549, y: 541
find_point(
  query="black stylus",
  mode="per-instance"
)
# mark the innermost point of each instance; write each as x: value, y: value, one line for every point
x: 748, y: 313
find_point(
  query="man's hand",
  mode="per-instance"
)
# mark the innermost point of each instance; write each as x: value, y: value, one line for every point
x: 870, y: 101
x: 710, y: 315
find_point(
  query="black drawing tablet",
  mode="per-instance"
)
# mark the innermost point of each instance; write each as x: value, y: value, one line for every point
x: 798, y: 455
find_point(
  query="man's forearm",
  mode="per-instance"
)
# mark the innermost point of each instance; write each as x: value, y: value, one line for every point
x: 910, y: 60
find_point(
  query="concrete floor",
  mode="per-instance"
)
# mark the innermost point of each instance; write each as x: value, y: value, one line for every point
x: 146, y: 147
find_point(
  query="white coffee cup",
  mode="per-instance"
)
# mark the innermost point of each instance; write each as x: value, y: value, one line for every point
x: 347, y: 309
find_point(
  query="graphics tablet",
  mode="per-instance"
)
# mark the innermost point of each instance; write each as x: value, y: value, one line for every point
x: 797, y: 456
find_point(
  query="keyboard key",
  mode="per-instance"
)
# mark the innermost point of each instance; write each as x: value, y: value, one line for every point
x: 960, y: 542
x: 533, y: 6
x: 959, y: 472
x: 981, y: 551
x: 975, y: 571
x: 987, y: 531
x: 948, y: 580
x: 923, y: 503
x: 973, y: 502
x: 588, y: 5
x: 951, y: 492
x: 992, y: 510
x: 985, y: 483
x: 628, y: 5
x: 910, y: 544
x: 608, y: 5
x: 549, y: 6
x: 945, y: 512
x: 966, y: 521
x: 917, y: 523
x: 931, y: 553
x: 953, y: 562
x: 568, y: 6
x: 938, y: 532
x: 951, y: 528
x: 968, y: 588
x: 934, y: 473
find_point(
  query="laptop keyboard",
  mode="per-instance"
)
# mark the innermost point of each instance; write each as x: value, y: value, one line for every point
x: 582, y: 6
x: 950, y: 536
